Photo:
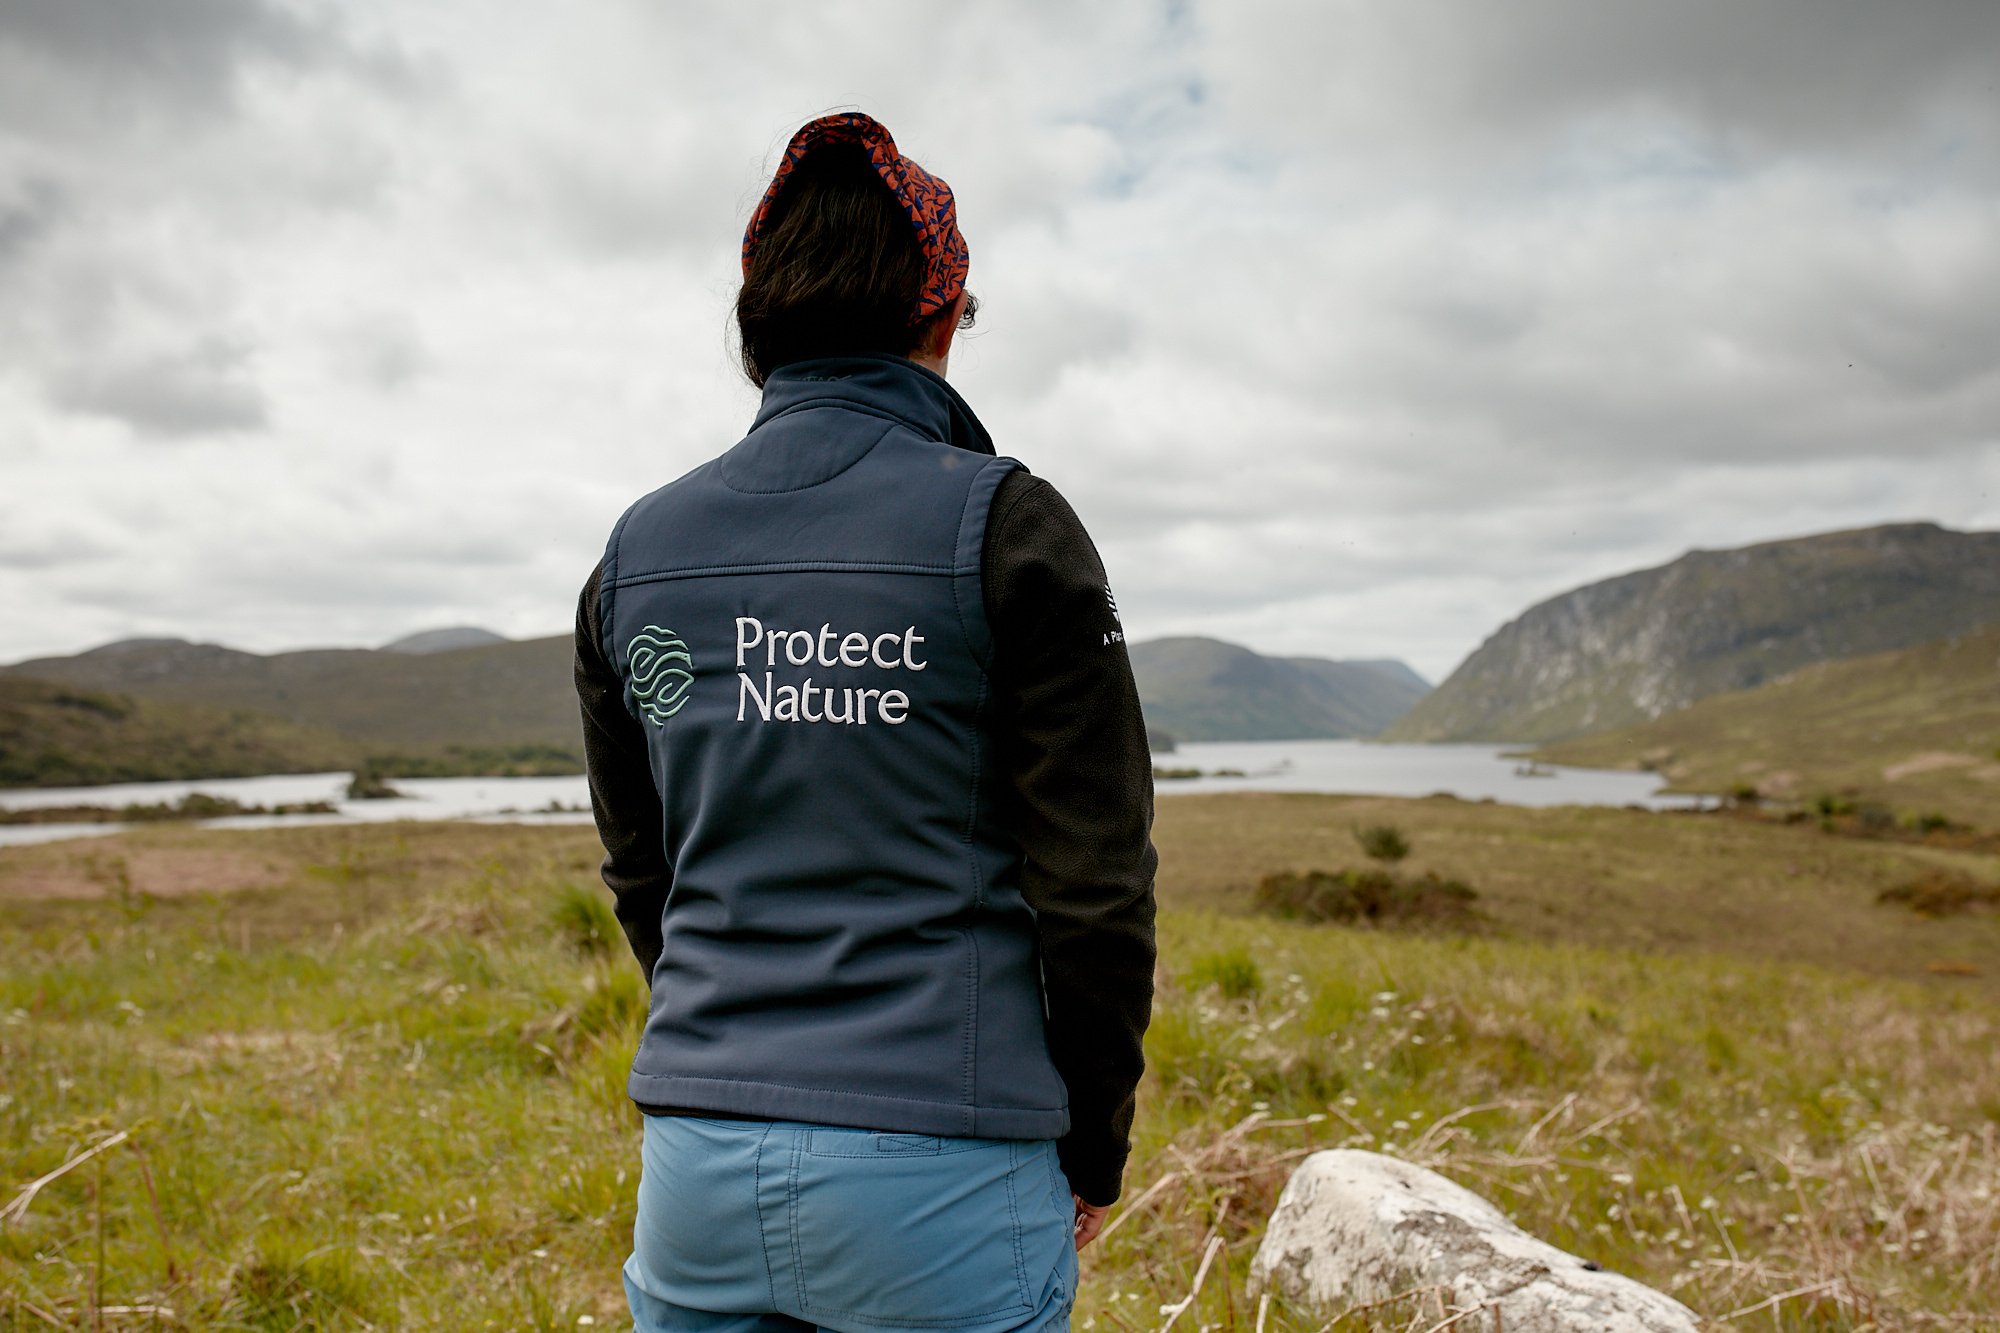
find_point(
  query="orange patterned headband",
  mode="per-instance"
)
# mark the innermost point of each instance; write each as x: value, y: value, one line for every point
x: 926, y: 198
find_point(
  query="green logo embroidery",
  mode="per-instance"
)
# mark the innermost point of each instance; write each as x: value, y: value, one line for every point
x: 661, y: 671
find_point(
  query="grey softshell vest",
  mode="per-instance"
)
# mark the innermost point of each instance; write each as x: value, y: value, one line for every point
x: 800, y: 628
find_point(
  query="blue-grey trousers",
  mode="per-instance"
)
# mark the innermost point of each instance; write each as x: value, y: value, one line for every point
x: 769, y: 1226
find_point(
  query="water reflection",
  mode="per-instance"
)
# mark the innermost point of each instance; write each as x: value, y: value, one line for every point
x: 1471, y: 772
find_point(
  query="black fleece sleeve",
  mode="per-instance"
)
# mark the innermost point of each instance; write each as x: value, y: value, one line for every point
x: 622, y: 796
x: 1081, y: 805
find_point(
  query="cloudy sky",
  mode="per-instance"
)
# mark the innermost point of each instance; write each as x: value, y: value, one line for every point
x: 1349, y: 328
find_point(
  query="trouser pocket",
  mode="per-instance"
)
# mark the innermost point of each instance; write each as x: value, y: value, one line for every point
x: 908, y: 1229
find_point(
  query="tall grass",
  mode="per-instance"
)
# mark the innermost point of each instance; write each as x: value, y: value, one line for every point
x: 398, y: 1103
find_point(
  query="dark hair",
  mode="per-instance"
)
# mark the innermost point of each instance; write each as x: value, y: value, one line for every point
x: 838, y: 270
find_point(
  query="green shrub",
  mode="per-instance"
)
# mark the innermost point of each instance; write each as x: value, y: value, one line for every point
x: 287, y: 1286
x: 1942, y: 892
x: 1930, y: 821
x: 1382, y: 842
x: 368, y: 785
x: 1234, y: 973
x: 583, y: 917
x: 1832, y: 805
x: 1875, y: 818
x: 615, y: 1001
x: 1379, y: 896
x: 115, y: 707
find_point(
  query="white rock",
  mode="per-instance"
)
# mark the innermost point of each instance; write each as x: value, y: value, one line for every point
x: 1354, y: 1227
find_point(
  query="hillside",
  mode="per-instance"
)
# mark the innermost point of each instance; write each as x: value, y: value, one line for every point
x: 500, y: 695
x: 509, y: 706
x: 443, y: 640
x: 1914, y: 730
x: 1633, y: 648
x: 1206, y: 690
x: 54, y: 735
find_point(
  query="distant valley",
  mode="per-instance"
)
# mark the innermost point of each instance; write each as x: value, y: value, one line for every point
x: 1197, y: 689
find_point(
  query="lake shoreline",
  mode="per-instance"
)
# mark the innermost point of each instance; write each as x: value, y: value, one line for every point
x: 1325, y: 767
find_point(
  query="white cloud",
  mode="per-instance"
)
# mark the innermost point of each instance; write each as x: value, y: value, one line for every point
x: 1347, y: 328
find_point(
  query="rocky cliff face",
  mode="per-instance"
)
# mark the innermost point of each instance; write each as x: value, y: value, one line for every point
x: 1632, y: 648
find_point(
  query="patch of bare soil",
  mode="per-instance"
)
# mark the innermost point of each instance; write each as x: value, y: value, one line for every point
x: 1928, y: 762
x: 270, y: 1049
x: 96, y: 871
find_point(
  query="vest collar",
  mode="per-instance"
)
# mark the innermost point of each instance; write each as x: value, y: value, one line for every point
x: 900, y: 387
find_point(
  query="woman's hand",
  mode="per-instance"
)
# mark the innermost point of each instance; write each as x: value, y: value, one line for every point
x: 1089, y: 1221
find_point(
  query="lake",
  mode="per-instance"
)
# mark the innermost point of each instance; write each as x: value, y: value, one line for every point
x: 1471, y: 772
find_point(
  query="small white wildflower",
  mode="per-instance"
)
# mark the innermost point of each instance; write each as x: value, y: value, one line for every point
x: 585, y: 1319
x: 1621, y: 1177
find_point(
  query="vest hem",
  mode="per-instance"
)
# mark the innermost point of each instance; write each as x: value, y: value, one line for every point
x: 859, y: 1110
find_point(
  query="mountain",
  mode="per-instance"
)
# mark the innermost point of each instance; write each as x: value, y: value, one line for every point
x: 1633, y: 648
x: 55, y: 735
x: 1914, y: 730
x: 1206, y: 690
x: 444, y: 640
x: 510, y: 694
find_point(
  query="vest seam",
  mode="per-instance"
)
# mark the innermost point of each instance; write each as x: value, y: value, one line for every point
x: 969, y: 1047
x: 834, y: 400
x: 975, y: 750
x: 852, y: 463
x: 607, y: 597
x: 791, y: 567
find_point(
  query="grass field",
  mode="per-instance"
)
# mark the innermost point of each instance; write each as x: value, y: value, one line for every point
x: 373, y: 1077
